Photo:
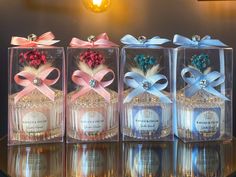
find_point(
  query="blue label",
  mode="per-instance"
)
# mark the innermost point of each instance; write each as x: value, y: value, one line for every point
x: 206, y: 123
x: 146, y: 120
x: 206, y: 161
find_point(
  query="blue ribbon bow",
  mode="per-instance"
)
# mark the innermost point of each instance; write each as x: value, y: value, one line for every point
x: 149, y: 85
x: 197, y: 42
x: 198, y: 81
x: 131, y: 40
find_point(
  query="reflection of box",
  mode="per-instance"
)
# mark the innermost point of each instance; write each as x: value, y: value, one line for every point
x: 92, y: 160
x: 36, y: 93
x: 146, y: 86
x: 32, y: 160
x: 3, y: 152
x: 92, y: 90
x: 2, y: 128
x: 201, y: 159
x: 203, y: 89
x: 148, y: 159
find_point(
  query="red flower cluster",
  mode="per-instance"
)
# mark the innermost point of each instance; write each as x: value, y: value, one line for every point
x: 92, y: 58
x: 33, y: 58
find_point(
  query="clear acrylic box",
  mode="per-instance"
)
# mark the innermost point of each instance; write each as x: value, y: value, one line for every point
x: 146, y: 94
x: 204, y: 81
x: 92, y: 94
x: 36, y: 95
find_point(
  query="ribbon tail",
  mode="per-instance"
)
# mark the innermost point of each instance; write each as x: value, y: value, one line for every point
x: 47, y: 42
x: 191, y: 90
x: 216, y: 93
x: 133, y: 94
x: 129, y: 39
x: 103, y: 92
x: 80, y: 93
x: 45, y: 90
x: 160, y: 95
x: 23, y: 93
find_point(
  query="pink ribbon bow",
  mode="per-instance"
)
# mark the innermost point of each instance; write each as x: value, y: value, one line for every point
x: 40, y: 82
x: 92, y: 83
x: 101, y: 40
x: 45, y: 39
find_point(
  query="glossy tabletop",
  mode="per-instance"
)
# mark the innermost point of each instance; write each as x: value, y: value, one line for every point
x: 122, y: 159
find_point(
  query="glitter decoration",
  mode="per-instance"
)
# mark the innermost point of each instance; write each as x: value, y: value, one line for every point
x: 92, y: 58
x: 33, y: 58
x: 201, y: 62
x: 145, y: 62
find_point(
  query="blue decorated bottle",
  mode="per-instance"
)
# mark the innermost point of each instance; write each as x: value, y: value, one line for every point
x: 146, y: 105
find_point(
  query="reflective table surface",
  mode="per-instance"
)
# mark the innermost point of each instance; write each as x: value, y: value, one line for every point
x: 123, y: 159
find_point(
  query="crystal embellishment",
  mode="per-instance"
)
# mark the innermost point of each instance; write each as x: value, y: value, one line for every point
x: 196, y: 38
x: 142, y: 39
x: 93, y: 83
x: 37, y: 81
x: 203, y: 83
x: 146, y: 85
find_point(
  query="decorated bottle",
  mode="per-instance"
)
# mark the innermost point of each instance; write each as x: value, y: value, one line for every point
x: 204, y: 89
x: 97, y: 160
x: 145, y: 84
x: 36, y: 90
x: 92, y: 93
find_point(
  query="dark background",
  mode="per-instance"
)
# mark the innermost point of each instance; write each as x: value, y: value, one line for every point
x: 69, y: 18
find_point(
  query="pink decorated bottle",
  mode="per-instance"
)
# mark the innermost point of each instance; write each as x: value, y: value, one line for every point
x: 92, y: 90
x: 36, y: 90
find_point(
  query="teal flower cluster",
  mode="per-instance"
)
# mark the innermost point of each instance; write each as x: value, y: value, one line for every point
x: 201, y: 62
x: 145, y: 62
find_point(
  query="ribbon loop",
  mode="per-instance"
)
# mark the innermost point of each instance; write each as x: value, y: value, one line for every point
x: 131, y: 40
x: 101, y: 40
x: 45, y: 39
x: 150, y: 85
x: 27, y: 80
x: 197, y: 81
x: 206, y: 41
x: 92, y: 83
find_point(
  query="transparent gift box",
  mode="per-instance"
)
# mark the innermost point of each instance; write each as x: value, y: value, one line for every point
x: 204, y: 76
x: 148, y: 159
x: 146, y: 90
x: 36, y: 91
x: 92, y: 90
x: 96, y: 160
x: 204, y: 159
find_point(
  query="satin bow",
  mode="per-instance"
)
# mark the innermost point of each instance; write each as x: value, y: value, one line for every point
x: 92, y: 83
x: 131, y: 40
x: 203, y: 42
x: 30, y: 82
x: 150, y: 85
x: 45, y: 39
x: 197, y: 81
x: 101, y: 40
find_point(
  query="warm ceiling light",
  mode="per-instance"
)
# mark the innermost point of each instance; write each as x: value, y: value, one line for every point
x: 97, y: 5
